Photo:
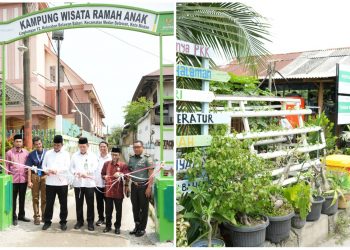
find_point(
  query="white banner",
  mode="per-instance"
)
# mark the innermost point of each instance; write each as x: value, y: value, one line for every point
x: 78, y: 16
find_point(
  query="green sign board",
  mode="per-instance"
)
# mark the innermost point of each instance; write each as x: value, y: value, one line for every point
x: 343, y: 109
x: 85, y: 16
x: 189, y: 141
x: 343, y: 79
x: 201, y: 73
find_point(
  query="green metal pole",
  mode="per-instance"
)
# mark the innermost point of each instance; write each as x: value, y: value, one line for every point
x: 3, y: 135
x: 161, y: 100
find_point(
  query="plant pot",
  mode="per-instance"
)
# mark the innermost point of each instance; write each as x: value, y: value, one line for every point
x: 316, y: 208
x: 297, y: 222
x: 327, y: 208
x: 279, y: 228
x: 204, y: 243
x: 244, y: 236
x: 343, y: 201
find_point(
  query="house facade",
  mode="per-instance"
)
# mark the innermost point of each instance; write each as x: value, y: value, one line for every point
x: 148, y: 128
x: 43, y: 81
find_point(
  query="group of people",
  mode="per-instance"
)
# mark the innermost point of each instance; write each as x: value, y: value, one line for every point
x: 50, y: 172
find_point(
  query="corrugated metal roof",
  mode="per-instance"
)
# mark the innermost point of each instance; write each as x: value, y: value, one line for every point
x: 316, y: 64
x: 300, y: 65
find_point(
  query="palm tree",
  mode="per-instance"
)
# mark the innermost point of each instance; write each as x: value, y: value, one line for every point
x: 233, y: 30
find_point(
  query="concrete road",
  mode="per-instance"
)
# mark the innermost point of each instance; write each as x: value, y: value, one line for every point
x: 26, y: 234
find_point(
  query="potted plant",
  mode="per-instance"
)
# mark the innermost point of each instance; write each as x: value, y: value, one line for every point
x: 204, y: 210
x: 235, y: 179
x: 316, y: 180
x: 299, y: 196
x: 280, y: 213
x: 344, y: 183
x: 331, y: 195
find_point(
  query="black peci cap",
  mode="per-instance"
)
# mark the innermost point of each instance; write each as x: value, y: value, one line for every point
x: 58, y: 139
x: 83, y: 140
x: 17, y: 137
x: 116, y: 150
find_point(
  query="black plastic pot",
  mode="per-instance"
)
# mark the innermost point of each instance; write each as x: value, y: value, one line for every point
x: 279, y: 228
x: 204, y: 243
x: 244, y: 236
x: 297, y: 222
x: 327, y: 208
x: 316, y: 208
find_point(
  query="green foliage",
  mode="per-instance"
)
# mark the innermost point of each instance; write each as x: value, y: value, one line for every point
x: 244, y: 194
x: 135, y: 110
x: 197, y: 225
x: 328, y: 128
x: 239, y: 85
x: 233, y: 30
x: 336, y: 183
x: 299, y: 196
x: 278, y: 205
x: 115, y: 135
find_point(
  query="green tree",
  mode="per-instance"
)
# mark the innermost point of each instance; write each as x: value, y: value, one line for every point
x: 233, y: 30
x: 116, y: 134
x: 135, y: 110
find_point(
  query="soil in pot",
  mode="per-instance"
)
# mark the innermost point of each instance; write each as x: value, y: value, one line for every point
x: 279, y: 228
x: 244, y: 236
x: 204, y: 243
x: 316, y: 209
x: 327, y: 208
x: 297, y: 222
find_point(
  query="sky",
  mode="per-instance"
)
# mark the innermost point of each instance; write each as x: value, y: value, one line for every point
x: 302, y: 25
x: 115, y: 67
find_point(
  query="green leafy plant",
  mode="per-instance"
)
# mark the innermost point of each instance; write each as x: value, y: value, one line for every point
x: 205, y: 210
x: 335, y: 182
x: 299, y: 196
x: 231, y: 172
x: 182, y: 224
x: 135, y: 110
x: 328, y: 128
x: 278, y: 205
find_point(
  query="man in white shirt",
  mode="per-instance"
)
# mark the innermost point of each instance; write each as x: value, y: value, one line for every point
x: 56, y: 166
x: 83, y: 167
x: 102, y: 157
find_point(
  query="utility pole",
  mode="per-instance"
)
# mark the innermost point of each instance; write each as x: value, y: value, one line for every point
x: 26, y: 89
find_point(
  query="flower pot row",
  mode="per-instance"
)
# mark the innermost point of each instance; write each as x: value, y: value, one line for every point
x: 275, y: 229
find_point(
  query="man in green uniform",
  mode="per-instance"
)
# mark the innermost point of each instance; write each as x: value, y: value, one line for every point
x: 140, y: 190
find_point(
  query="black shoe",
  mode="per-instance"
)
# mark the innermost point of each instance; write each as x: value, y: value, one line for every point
x: 78, y: 225
x: 117, y: 231
x: 100, y: 222
x: 46, y: 226
x: 15, y: 222
x: 133, y: 231
x: 63, y: 227
x: 24, y: 219
x: 107, y: 229
x: 140, y: 233
x: 91, y: 227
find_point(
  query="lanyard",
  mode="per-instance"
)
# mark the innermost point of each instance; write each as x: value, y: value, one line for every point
x: 40, y: 159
